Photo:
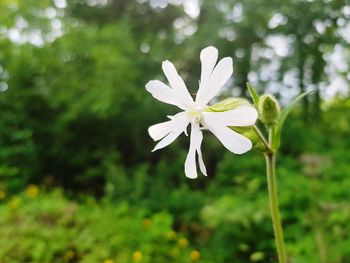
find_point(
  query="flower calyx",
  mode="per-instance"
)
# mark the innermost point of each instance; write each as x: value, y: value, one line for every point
x: 228, y: 104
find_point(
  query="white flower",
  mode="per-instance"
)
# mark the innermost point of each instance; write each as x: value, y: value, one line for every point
x: 213, y: 77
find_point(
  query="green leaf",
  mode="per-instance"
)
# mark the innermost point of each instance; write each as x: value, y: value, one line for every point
x: 253, y: 94
x: 281, y: 119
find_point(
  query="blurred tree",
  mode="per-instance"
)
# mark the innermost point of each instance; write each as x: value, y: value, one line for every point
x: 314, y: 34
x: 77, y: 70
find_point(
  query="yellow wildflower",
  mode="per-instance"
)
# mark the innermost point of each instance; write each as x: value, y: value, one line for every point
x: 183, y: 242
x: 195, y: 255
x: 171, y: 235
x: 32, y: 191
x: 2, y: 194
x: 137, y: 256
x: 108, y: 261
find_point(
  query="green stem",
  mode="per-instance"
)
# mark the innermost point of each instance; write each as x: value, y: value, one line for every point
x: 262, y: 138
x: 273, y: 200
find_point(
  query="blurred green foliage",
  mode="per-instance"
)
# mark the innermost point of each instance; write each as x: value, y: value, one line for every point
x: 226, y: 221
x: 74, y: 116
x: 50, y: 228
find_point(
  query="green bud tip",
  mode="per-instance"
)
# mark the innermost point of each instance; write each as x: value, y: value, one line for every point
x: 269, y: 109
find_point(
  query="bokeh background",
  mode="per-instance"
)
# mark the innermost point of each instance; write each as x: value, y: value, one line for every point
x: 78, y: 181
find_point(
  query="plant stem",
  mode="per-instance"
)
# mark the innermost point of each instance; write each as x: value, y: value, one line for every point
x: 262, y: 138
x: 273, y: 200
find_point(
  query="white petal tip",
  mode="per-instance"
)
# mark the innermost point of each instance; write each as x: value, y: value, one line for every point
x: 151, y: 133
x: 191, y: 173
x: 149, y: 84
x: 165, y: 62
x: 210, y: 48
x: 243, y: 149
x: 191, y: 176
x: 229, y: 61
x: 154, y: 149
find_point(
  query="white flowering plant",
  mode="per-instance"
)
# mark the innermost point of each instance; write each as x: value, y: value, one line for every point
x: 232, y: 121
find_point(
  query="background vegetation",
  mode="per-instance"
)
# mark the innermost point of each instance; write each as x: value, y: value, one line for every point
x: 78, y: 182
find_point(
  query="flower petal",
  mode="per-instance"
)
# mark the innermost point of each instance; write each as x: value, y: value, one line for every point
x: 190, y: 163
x: 240, y: 117
x: 177, y: 83
x: 167, y: 140
x: 201, y: 162
x: 168, y: 130
x: 164, y: 93
x: 198, y: 134
x: 232, y: 140
x: 160, y: 130
x: 208, y: 57
x: 221, y: 73
x: 195, y: 147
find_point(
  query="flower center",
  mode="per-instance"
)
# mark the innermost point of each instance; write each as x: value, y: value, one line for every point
x: 194, y: 115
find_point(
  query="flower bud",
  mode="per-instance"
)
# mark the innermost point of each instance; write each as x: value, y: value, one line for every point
x: 228, y: 104
x: 269, y: 109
